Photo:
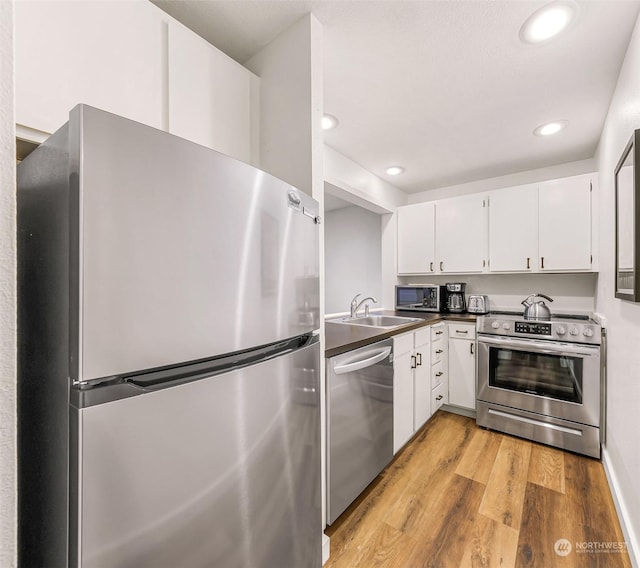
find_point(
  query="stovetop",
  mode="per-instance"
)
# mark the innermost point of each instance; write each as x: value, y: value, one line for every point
x: 568, y: 328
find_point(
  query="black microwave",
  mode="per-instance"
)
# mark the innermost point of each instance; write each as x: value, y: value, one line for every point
x: 427, y: 298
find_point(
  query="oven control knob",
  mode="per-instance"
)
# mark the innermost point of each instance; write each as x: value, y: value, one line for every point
x: 574, y: 331
x: 588, y: 332
x: 506, y: 326
x: 560, y: 330
x: 495, y: 325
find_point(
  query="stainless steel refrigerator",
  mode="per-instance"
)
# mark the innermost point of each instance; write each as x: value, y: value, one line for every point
x: 168, y: 355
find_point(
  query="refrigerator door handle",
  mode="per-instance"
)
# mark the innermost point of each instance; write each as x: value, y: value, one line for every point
x: 165, y: 378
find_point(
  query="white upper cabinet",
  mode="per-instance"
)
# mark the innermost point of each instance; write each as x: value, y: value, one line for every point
x: 513, y: 229
x: 416, y: 239
x: 210, y: 95
x: 461, y: 234
x: 564, y: 228
x: 132, y: 59
x: 104, y: 54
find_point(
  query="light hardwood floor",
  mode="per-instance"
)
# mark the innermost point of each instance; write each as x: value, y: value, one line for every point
x: 461, y: 496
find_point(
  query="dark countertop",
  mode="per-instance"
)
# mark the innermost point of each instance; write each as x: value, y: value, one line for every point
x: 340, y: 337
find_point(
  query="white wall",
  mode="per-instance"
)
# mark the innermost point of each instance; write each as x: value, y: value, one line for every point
x: 350, y: 181
x: 571, y: 293
x: 353, y: 239
x: 511, y: 180
x: 290, y: 71
x: 351, y: 178
x: 8, y: 484
x: 622, y: 450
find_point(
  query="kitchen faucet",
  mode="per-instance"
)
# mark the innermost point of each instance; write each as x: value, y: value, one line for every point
x: 355, y: 305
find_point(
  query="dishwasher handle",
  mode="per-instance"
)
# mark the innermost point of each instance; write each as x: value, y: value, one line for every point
x: 363, y: 363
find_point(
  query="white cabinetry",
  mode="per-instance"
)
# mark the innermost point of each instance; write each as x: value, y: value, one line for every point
x: 565, y: 224
x: 461, y: 234
x: 439, y: 366
x: 411, y: 384
x: 416, y: 239
x: 105, y: 54
x: 422, y: 377
x: 209, y: 95
x: 513, y: 229
x: 131, y: 59
x: 403, y: 366
x: 462, y: 365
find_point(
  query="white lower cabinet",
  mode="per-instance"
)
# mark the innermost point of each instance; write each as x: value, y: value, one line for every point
x: 462, y: 365
x: 422, y: 378
x: 411, y: 384
x: 403, y: 365
x: 439, y: 366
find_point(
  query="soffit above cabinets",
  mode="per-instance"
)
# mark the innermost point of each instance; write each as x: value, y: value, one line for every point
x: 445, y: 89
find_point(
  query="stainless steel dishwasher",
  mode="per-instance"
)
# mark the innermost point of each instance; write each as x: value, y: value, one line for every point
x: 359, y: 421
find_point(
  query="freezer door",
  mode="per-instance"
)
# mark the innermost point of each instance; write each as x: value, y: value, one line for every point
x: 224, y: 471
x: 181, y: 253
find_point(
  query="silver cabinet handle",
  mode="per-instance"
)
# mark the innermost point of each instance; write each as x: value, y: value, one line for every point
x: 439, y: 397
x: 419, y: 359
x: 439, y: 332
x: 542, y: 261
x: 471, y: 348
x: 439, y: 374
x: 413, y: 361
x: 528, y: 263
x: 431, y: 266
x: 438, y: 351
x: 462, y: 331
x: 441, y: 265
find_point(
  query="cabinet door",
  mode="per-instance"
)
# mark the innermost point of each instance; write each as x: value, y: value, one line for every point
x: 565, y: 224
x: 104, y: 54
x: 209, y: 95
x: 422, y: 378
x: 461, y: 234
x: 416, y: 239
x: 403, y: 367
x: 462, y: 373
x: 513, y: 229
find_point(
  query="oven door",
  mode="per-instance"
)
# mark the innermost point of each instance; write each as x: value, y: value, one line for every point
x: 560, y: 380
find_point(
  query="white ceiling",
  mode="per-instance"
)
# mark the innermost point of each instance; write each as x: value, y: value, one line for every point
x: 444, y: 88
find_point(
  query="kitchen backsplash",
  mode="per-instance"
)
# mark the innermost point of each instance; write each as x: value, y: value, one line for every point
x: 570, y: 292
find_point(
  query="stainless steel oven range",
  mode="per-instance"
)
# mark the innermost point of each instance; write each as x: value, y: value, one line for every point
x: 542, y: 380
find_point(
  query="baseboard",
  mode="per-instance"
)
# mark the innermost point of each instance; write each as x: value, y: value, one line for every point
x: 468, y: 412
x: 623, y: 515
x: 326, y: 549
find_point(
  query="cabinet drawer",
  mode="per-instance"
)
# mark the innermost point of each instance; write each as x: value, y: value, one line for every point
x: 438, y: 331
x: 438, y: 374
x: 462, y: 331
x: 438, y: 351
x: 438, y: 397
x: 422, y: 337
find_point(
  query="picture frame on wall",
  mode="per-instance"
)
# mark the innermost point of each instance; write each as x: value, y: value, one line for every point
x: 627, y: 213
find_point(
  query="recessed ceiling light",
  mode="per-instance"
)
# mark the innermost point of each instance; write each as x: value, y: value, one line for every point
x: 329, y: 122
x: 548, y: 21
x: 551, y: 128
x: 394, y: 170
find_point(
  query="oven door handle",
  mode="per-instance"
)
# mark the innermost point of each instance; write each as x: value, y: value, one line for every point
x: 545, y: 348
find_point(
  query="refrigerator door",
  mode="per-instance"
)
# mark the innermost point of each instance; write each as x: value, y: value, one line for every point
x: 180, y: 253
x: 224, y: 471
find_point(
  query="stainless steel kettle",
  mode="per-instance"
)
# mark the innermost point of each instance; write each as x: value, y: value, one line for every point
x: 536, y: 310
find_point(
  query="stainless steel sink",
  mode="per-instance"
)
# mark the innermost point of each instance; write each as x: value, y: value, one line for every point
x: 377, y: 321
